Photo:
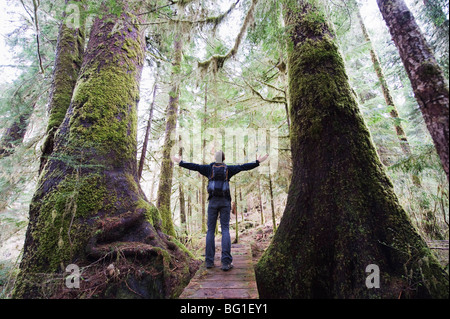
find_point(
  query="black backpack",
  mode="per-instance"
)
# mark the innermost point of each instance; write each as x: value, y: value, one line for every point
x: 218, y: 184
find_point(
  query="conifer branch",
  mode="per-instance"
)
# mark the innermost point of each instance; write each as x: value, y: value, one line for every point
x: 218, y: 60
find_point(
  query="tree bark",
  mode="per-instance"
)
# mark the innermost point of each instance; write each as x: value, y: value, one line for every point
x: 342, y: 214
x: 89, y: 209
x: 69, y: 56
x: 427, y: 79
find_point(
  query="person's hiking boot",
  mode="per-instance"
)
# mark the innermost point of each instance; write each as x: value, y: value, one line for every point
x: 209, y: 265
x: 226, y: 267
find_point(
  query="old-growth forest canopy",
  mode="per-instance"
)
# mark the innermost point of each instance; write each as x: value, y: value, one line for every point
x: 96, y: 96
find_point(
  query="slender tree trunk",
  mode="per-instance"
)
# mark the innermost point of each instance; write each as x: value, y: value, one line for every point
x: 235, y: 212
x: 342, y: 214
x: 166, y: 175
x: 205, y: 109
x: 147, y: 131
x: 69, y: 57
x: 182, y: 210
x: 272, y: 206
x: 404, y: 144
x: 182, y: 199
x: 189, y: 212
x: 401, y: 135
x: 427, y: 79
x: 89, y: 209
x: 241, y: 208
x: 260, y: 200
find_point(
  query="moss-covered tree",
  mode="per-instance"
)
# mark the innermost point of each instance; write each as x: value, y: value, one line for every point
x: 427, y: 78
x: 88, y: 208
x: 166, y: 174
x: 69, y: 56
x: 341, y: 213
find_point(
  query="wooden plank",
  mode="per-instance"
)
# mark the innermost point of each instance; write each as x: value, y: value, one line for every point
x: 214, y: 283
x: 251, y: 284
x: 213, y: 293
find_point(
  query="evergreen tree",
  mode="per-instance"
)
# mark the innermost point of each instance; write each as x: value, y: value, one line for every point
x: 427, y: 79
x: 88, y: 208
x: 342, y: 214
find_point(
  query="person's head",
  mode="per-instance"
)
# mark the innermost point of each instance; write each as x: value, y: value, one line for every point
x: 219, y: 157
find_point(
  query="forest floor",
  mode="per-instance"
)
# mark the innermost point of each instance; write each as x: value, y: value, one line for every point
x: 251, y: 233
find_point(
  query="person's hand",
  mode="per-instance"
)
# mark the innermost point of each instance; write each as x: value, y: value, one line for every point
x: 262, y: 158
x: 176, y: 159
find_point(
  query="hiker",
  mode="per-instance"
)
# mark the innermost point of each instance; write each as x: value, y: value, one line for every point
x: 219, y: 198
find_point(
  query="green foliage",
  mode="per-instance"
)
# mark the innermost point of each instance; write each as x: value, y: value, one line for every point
x: 424, y: 158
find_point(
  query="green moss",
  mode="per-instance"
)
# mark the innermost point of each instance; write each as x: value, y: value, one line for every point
x: 132, y: 48
x: 91, y: 196
x: 69, y: 58
x: 167, y: 224
x: 151, y: 212
x: 60, y: 230
x: 105, y: 115
x: 319, y: 91
x: 182, y: 247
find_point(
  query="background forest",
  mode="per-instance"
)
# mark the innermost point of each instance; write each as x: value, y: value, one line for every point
x: 224, y: 65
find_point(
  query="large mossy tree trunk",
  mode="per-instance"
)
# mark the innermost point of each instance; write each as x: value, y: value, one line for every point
x: 341, y: 213
x: 88, y: 208
x: 69, y: 56
x: 427, y: 79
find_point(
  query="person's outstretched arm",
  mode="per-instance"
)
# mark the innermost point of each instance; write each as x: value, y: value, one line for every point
x: 234, y: 169
x: 205, y: 170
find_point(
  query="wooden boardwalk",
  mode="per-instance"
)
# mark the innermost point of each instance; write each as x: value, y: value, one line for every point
x: 214, y: 283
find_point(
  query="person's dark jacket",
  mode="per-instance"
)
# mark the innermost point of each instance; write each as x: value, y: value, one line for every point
x: 206, y: 170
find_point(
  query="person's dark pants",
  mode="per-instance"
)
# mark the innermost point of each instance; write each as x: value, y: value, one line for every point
x: 218, y: 206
